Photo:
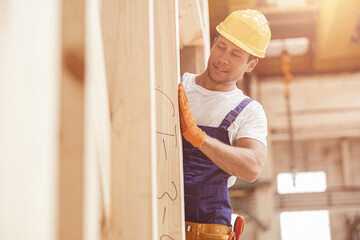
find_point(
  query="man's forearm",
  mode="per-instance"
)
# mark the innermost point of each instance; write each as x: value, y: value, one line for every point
x: 238, y: 161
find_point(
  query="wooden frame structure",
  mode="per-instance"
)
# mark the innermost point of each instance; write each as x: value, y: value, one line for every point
x: 110, y: 164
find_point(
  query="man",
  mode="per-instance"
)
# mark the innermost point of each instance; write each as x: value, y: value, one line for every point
x: 230, y: 138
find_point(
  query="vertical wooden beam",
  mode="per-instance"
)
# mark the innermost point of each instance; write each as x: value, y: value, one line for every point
x: 346, y: 162
x: 72, y: 121
x: 234, y: 5
x: 192, y: 59
x: 29, y: 79
x: 96, y: 206
x: 194, y: 35
x: 254, y: 87
x: 129, y: 59
x: 169, y: 150
x: 204, y: 9
x: 265, y: 204
x: 194, y: 24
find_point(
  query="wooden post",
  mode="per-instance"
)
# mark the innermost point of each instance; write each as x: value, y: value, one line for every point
x: 265, y: 198
x: 96, y: 205
x: 71, y: 152
x: 194, y: 35
x: 29, y: 79
x: 192, y: 59
x: 346, y: 162
x: 169, y: 150
x: 129, y: 59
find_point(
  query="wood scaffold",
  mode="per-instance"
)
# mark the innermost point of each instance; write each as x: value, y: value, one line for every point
x: 288, y: 79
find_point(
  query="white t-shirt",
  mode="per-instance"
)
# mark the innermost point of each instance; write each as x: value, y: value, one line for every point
x: 209, y: 108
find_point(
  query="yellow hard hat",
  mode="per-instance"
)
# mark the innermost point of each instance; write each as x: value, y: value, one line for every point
x: 248, y: 29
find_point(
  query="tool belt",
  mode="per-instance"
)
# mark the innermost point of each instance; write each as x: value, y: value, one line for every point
x: 205, y: 231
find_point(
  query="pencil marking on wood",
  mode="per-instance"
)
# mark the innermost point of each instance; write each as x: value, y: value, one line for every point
x: 164, y: 149
x: 166, y: 236
x: 164, y: 215
x: 175, y: 136
x: 168, y: 134
x: 166, y: 193
x: 172, y: 104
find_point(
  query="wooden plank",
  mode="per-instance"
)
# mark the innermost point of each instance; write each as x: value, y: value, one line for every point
x: 190, y: 23
x: 192, y: 59
x: 355, y: 163
x: 320, y: 134
x: 332, y: 199
x: 345, y: 162
x: 319, y: 108
x: 218, y: 11
x: 311, y: 155
x: 97, y: 132
x: 129, y: 59
x: 71, y: 152
x: 169, y: 146
x: 194, y: 23
x: 204, y: 9
x: 333, y: 33
x: 29, y: 79
x: 234, y: 5
x: 194, y: 35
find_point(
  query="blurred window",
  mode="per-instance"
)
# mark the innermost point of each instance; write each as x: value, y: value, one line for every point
x: 305, y: 182
x: 309, y: 225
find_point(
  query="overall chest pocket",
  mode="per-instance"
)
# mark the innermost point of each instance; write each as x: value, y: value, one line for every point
x: 199, y: 162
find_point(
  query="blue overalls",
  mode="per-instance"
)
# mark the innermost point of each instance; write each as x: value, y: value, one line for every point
x: 205, y: 184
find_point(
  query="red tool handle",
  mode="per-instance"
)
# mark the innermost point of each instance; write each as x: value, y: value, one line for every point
x: 239, y: 226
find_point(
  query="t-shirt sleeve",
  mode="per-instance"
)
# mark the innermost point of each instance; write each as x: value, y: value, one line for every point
x: 231, y: 181
x: 186, y: 79
x: 254, y: 125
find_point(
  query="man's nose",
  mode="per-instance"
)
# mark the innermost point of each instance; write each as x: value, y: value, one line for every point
x: 224, y: 58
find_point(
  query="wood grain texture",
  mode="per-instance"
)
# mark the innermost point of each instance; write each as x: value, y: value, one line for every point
x: 96, y: 206
x: 192, y: 59
x: 194, y: 38
x: 129, y: 61
x: 71, y: 152
x: 194, y: 23
x: 168, y: 136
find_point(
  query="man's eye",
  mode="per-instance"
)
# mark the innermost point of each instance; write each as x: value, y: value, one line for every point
x: 235, y: 55
x: 221, y: 47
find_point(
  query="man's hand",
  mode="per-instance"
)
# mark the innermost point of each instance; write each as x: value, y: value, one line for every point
x: 190, y: 131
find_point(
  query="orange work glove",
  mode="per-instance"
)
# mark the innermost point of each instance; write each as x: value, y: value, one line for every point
x: 190, y: 131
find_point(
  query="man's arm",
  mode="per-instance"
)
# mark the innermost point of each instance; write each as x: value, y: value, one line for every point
x: 244, y: 160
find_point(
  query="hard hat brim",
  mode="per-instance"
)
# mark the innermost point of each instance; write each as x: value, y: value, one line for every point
x: 223, y: 32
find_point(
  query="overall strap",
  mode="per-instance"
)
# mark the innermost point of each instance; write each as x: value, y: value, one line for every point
x: 232, y: 115
x: 181, y: 78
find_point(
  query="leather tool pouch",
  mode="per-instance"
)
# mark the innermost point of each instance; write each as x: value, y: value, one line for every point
x: 210, y: 236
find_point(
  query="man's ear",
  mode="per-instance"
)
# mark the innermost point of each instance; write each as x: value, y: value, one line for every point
x: 252, y: 64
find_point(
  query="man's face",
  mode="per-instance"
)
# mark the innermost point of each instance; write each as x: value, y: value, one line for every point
x: 227, y: 62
